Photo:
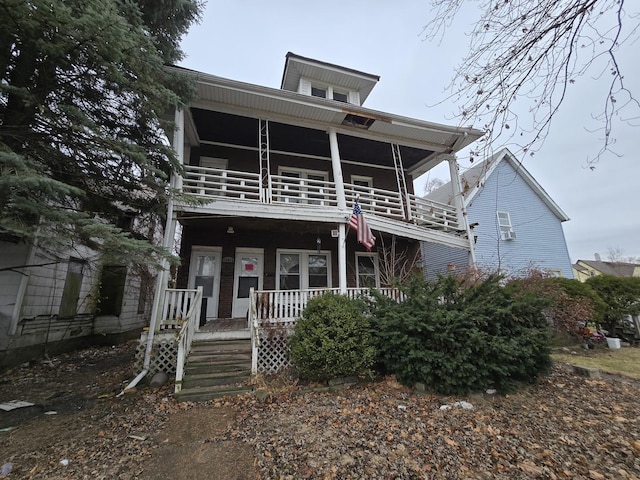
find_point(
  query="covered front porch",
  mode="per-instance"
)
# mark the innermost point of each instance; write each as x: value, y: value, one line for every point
x: 270, y: 320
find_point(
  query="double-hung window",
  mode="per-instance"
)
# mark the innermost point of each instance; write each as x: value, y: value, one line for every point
x: 303, y: 186
x: 302, y: 269
x: 504, y: 223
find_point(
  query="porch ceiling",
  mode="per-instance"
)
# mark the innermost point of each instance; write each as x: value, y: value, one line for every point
x: 219, y: 127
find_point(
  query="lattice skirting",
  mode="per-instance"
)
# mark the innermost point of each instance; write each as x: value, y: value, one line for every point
x: 164, y: 355
x: 273, y: 352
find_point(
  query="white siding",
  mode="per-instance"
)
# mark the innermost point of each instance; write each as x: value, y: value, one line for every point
x: 13, y: 254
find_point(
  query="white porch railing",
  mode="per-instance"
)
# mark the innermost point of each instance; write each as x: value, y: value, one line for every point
x: 433, y: 214
x: 375, y: 200
x: 272, y: 318
x: 176, y: 307
x: 303, y: 190
x: 221, y: 183
x: 185, y: 336
x: 216, y: 183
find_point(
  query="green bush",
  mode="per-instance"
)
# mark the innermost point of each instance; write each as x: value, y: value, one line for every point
x: 459, y: 336
x: 332, y: 339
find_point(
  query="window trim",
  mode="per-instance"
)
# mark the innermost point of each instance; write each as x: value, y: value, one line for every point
x: 376, y: 267
x: 304, y: 265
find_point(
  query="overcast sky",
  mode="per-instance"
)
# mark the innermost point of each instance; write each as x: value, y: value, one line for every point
x: 247, y: 40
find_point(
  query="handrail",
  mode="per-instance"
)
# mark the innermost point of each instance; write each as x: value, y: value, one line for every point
x: 303, y: 190
x: 185, y: 336
x: 254, y: 330
x: 433, y: 214
x: 285, y: 306
x: 386, y: 203
x: 234, y: 185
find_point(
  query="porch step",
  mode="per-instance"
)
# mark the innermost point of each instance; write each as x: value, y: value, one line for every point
x: 216, y: 368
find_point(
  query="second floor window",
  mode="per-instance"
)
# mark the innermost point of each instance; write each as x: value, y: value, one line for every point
x: 303, y: 186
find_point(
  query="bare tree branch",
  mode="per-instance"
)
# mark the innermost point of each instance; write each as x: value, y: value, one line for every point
x: 524, y: 55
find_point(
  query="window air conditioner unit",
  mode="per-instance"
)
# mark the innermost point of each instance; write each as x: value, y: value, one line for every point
x: 510, y: 235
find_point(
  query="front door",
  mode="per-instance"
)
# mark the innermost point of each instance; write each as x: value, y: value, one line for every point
x: 248, y: 274
x: 204, y: 271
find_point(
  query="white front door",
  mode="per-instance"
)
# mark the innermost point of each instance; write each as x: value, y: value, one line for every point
x: 204, y: 271
x: 248, y: 274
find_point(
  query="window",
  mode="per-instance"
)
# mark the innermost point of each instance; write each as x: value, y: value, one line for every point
x: 554, y: 273
x: 303, y: 186
x: 504, y: 223
x: 340, y: 96
x: 318, y: 92
x: 112, y: 290
x: 367, y: 273
x: 301, y: 269
x: 71, y: 292
x: 363, y: 189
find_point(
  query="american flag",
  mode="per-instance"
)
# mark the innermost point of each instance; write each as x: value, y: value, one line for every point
x: 358, y: 223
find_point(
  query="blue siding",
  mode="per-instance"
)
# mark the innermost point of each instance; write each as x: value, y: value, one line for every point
x: 438, y: 259
x: 540, y: 241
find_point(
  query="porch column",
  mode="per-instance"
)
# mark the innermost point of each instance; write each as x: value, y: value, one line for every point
x: 337, y: 169
x: 170, y: 227
x: 342, y: 205
x: 461, y: 211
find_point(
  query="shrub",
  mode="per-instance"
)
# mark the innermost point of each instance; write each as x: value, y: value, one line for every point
x: 458, y: 335
x: 332, y: 339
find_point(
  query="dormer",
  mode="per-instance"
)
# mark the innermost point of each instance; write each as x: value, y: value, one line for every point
x: 325, y: 80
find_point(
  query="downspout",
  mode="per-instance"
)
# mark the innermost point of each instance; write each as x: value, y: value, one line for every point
x: 461, y: 211
x: 342, y: 205
x: 167, y: 243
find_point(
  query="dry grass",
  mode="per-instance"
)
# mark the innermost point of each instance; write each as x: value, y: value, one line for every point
x: 623, y: 361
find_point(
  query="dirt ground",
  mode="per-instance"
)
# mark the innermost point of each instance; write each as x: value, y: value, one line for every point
x: 80, y: 429
x: 566, y: 426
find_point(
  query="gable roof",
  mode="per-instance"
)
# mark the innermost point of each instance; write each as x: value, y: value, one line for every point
x: 473, y: 180
x: 616, y: 269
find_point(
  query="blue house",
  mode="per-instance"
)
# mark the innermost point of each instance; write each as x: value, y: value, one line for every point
x: 516, y: 225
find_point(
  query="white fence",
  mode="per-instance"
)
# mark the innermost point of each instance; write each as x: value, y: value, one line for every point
x: 272, y: 318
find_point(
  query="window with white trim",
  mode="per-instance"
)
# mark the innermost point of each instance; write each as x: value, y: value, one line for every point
x: 303, y: 186
x: 554, y: 273
x: 319, y: 92
x: 367, y: 272
x: 302, y: 269
x: 504, y: 223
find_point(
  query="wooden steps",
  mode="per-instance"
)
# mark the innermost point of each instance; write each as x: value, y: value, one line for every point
x: 216, y: 368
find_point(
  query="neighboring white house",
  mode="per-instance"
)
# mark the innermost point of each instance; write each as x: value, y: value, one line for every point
x: 50, y: 302
x: 517, y: 226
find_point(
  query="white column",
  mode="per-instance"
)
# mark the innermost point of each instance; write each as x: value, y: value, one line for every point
x: 461, y: 211
x: 342, y: 258
x: 169, y: 228
x: 337, y: 169
x: 342, y: 205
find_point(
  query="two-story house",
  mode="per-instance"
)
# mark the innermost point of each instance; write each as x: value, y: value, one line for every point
x: 277, y: 172
x: 517, y: 226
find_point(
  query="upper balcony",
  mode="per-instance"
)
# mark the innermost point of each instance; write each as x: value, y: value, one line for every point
x: 224, y: 191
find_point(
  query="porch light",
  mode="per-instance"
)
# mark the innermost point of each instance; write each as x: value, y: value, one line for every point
x: 318, y: 243
x: 230, y: 230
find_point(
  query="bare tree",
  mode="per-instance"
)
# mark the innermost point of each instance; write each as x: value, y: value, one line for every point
x: 397, y: 265
x: 616, y: 255
x: 523, y: 56
x: 432, y: 185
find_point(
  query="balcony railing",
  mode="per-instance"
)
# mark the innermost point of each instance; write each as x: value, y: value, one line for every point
x: 433, y: 214
x: 222, y: 184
